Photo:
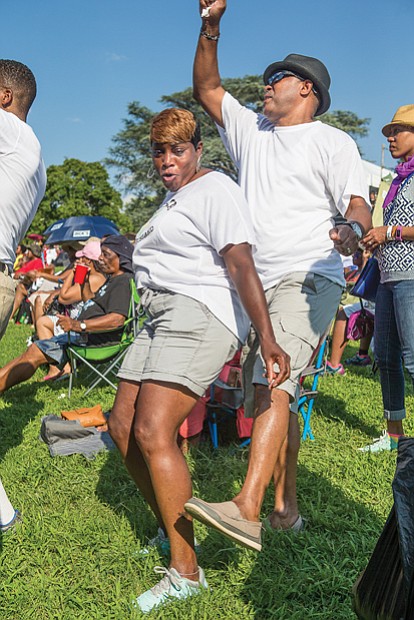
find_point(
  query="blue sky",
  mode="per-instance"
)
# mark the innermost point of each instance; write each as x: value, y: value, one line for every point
x: 92, y: 58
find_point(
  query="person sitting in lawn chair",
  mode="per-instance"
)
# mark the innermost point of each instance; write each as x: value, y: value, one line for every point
x: 101, y: 320
x: 68, y: 301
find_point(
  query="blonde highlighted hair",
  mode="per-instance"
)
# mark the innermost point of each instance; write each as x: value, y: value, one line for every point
x: 175, y: 125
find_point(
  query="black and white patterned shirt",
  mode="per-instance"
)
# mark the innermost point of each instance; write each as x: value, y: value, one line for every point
x: 396, y: 258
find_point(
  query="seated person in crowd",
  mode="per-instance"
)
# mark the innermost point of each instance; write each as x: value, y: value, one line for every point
x: 70, y: 296
x: 101, y: 320
x: 32, y: 261
x: 339, y: 339
x: 20, y: 252
x: 46, y: 290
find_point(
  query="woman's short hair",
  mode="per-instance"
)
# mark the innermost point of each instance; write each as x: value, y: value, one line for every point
x: 175, y: 125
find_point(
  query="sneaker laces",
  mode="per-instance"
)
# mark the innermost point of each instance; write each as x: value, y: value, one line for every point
x: 381, y: 438
x: 163, y: 586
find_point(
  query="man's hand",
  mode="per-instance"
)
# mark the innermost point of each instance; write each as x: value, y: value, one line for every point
x: 66, y: 323
x: 375, y: 237
x: 272, y: 354
x: 212, y: 11
x: 344, y: 239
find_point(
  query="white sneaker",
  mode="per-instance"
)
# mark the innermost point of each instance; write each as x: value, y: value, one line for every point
x: 172, y: 586
x: 381, y: 444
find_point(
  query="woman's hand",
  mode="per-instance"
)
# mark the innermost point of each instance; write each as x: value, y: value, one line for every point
x: 375, y: 237
x: 272, y: 354
x: 48, y: 301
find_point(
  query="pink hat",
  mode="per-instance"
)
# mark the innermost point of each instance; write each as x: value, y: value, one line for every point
x: 91, y: 250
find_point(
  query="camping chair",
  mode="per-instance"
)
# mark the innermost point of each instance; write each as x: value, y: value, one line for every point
x: 225, y: 403
x: 108, y: 357
x: 307, y: 396
x: 222, y: 408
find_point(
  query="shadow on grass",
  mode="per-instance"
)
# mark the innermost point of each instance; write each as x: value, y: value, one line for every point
x: 19, y: 408
x: 337, y: 410
x: 311, y: 574
x: 117, y: 489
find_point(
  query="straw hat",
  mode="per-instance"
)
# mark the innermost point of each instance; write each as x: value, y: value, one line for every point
x: 403, y: 116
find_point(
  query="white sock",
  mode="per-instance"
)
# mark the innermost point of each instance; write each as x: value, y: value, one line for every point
x: 6, y: 509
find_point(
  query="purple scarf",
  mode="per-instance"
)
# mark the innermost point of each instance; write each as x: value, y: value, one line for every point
x: 403, y: 171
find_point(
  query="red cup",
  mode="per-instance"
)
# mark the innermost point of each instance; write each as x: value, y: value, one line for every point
x: 80, y: 274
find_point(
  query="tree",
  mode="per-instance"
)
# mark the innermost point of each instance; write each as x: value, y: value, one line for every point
x: 130, y: 153
x: 347, y: 121
x: 79, y: 188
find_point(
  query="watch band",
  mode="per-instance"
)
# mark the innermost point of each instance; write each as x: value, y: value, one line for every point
x: 398, y: 233
x: 357, y: 228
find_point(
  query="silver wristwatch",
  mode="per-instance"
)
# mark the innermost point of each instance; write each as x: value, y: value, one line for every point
x: 82, y: 325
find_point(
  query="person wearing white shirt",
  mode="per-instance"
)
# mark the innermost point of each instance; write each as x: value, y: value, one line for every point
x: 198, y: 284
x: 22, y: 186
x: 297, y: 174
x: 22, y: 172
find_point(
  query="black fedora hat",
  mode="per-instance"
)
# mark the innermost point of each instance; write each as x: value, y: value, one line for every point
x: 309, y: 68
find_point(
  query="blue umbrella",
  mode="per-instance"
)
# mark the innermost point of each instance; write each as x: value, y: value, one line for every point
x: 80, y: 228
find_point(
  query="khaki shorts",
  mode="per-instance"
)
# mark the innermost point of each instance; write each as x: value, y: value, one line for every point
x: 181, y: 342
x: 7, y: 292
x: 301, y: 308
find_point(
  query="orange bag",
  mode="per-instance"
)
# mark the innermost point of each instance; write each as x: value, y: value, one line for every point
x: 87, y: 416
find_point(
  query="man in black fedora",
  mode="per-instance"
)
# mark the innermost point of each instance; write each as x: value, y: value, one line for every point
x: 297, y: 174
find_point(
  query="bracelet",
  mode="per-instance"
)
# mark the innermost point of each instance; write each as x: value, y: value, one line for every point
x: 210, y: 37
x: 389, y: 233
x: 398, y: 233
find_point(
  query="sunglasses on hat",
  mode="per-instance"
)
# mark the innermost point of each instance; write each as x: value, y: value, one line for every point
x: 279, y: 75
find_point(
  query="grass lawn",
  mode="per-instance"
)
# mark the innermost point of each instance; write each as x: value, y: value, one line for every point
x: 75, y: 556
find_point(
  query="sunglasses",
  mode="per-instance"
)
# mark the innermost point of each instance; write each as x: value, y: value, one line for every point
x: 279, y: 75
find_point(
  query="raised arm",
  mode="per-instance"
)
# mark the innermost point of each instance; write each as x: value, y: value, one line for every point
x: 207, y: 88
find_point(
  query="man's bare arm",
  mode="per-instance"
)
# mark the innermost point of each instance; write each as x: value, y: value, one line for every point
x: 207, y: 88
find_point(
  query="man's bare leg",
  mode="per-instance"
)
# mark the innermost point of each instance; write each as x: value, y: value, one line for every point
x: 285, y: 512
x: 21, y: 368
x: 270, y: 430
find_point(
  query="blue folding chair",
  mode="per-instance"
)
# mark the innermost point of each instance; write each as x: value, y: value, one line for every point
x: 307, y: 395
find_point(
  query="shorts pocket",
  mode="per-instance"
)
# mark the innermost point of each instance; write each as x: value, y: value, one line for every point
x: 299, y: 341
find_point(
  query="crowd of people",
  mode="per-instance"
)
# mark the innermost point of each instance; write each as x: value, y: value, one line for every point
x: 219, y: 263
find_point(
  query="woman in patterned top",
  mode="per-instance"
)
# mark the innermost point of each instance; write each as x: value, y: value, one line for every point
x: 394, y: 318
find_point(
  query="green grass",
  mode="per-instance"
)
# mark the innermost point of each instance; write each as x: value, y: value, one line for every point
x: 75, y: 556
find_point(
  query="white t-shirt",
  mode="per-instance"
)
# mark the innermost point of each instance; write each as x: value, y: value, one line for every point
x: 22, y: 182
x: 295, y: 180
x: 178, y: 249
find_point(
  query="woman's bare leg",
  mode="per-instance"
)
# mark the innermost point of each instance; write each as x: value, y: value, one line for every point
x: 339, y: 340
x: 161, y: 408
x: 21, y: 293
x: 121, y: 429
